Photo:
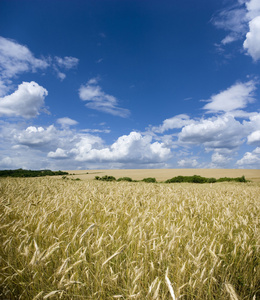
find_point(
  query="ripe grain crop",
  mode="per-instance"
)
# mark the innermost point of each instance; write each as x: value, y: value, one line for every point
x: 64, y: 239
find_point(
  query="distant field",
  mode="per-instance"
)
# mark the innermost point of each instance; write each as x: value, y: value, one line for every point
x: 164, y: 174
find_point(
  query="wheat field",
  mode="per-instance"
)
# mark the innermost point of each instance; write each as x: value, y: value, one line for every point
x: 66, y: 239
x: 164, y: 174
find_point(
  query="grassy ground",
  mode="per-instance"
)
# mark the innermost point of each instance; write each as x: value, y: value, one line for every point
x: 64, y: 239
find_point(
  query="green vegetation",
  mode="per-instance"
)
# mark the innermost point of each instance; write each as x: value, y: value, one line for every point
x: 237, y: 179
x: 112, y: 178
x: 30, y: 173
x: 69, y: 178
x: 105, y: 178
x: 200, y: 179
x: 149, y: 179
x: 177, y: 179
x: 190, y: 179
x: 125, y: 179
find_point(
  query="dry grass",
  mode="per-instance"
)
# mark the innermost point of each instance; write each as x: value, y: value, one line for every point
x: 164, y: 174
x: 63, y: 239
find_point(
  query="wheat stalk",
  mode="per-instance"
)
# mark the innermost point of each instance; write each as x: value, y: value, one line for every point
x: 115, y: 254
x: 169, y: 285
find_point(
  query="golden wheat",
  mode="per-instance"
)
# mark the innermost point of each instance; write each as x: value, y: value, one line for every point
x: 63, y: 239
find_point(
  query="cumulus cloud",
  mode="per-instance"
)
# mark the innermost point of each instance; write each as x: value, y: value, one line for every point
x: 250, y: 159
x: 254, y: 121
x: 221, y: 134
x: 97, y: 99
x: 26, y: 101
x: 75, y: 147
x: 6, y: 162
x: 127, y: 149
x: 64, y: 122
x: 59, y: 154
x: 254, y: 137
x: 236, y: 19
x: 252, y: 127
x: 214, y: 133
x: 220, y: 160
x: 235, y: 97
x: 175, y: 122
x: 188, y: 163
x: 253, y: 9
x: 38, y: 137
x: 66, y: 148
x: 252, y: 42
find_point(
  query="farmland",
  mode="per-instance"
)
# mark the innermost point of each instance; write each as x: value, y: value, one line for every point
x: 89, y: 239
x: 164, y: 174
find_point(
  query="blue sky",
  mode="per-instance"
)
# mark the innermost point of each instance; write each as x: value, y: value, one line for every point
x: 129, y: 84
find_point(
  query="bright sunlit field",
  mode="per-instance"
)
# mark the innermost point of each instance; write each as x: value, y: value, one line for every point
x: 65, y: 239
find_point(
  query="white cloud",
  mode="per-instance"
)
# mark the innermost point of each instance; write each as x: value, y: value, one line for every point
x: 99, y: 100
x: 60, y: 74
x: 4, y: 87
x: 6, y: 162
x: 220, y: 160
x: 188, y: 163
x: 253, y: 129
x: 96, y: 130
x: 64, y: 122
x: 50, y: 147
x: 93, y: 81
x: 250, y: 159
x: 175, y: 122
x: 35, y: 141
x: 132, y: 148
x: 252, y: 42
x: 235, y: 97
x: 214, y: 133
x: 66, y: 148
x: 228, y: 39
x: 242, y: 114
x: 254, y: 137
x: 254, y: 121
x: 231, y: 19
x: 68, y: 62
x: 236, y: 19
x: 37, y: 136
x: 26, y: 101
x: 253, y: 7
x: 59, y: 153
x: 16, y: 58
x: 87, y: 143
